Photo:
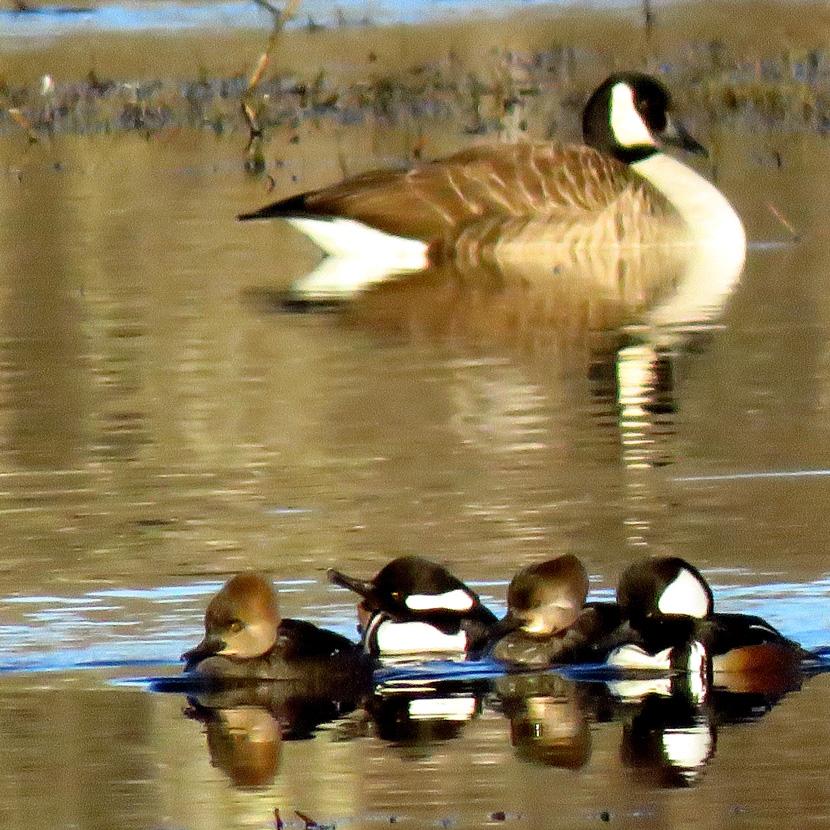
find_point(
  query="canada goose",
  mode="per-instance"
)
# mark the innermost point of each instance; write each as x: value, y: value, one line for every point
x: 512, y: 201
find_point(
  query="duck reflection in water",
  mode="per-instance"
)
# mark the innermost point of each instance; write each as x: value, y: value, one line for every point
x: 246, y: 723
x: 415, y: 717
x: 548, y: 717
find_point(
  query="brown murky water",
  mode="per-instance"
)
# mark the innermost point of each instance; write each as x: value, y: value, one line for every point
x: 163, y: 423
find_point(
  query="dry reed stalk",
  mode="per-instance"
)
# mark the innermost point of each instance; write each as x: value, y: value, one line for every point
x: 280, y: 17
x: 796, y: 236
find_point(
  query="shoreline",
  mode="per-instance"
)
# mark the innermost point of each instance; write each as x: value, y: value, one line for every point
x: 482, y: 77
x: 619, y: 32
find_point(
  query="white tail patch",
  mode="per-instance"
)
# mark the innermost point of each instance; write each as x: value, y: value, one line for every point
x: 357, y: 257
x: 456, y: 600
x: 442, y: 708
x: 685, y: 595
x: 417, y: 638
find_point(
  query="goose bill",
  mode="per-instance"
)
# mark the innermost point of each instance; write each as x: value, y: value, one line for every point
x: 677, y: 135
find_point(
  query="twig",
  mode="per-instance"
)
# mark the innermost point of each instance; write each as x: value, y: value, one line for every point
x: 309, y: 822
x: 280, y: 17
x: 784, y: 221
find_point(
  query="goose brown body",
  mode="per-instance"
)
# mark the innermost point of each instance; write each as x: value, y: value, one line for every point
x: 485, y: 198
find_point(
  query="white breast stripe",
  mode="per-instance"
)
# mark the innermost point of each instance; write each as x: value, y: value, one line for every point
x: 442, y: 708
x: 685, y: 595
x: 626, y: 124
x: 417, y: 638
x: 457, y: 600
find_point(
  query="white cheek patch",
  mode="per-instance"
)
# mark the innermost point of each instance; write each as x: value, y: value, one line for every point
x: 417, y: 638
x: 442, y: 708
x: 685, y: 595
x: 456, y: 600
x: 627, y: 125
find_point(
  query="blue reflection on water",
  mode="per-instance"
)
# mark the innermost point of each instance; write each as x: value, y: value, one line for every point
x: 167, y: 16
x: 155, y: 625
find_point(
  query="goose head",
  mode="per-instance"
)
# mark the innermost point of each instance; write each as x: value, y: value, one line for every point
x: 629, y: 116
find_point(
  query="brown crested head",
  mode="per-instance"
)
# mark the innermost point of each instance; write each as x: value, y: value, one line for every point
x: 546, y: 598
x: 241, y: 621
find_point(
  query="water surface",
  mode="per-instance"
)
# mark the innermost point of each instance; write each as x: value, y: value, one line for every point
x: 164, y: 423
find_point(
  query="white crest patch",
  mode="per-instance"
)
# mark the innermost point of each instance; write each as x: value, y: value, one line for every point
x: 685, y: 595
x: 457, y: 600
x: 442, y: 708
x: 417, y: 638
x: 627, y: 125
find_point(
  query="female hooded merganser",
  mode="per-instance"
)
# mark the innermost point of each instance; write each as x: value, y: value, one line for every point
x: 246, y: 639
x: 547, y: 621
x: 502, y: 201
x: 414, y: 606
x: 669, y: 622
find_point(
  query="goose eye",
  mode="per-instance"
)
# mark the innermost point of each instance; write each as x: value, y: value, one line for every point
x: 236, y: 626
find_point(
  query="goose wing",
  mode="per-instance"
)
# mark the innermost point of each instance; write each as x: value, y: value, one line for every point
x: 512, y: 181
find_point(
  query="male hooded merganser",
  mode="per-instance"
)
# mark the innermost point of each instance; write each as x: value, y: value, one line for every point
x: 246, y: 639
x: 547, y: 620
x: 669, y: 622
x: 497, y: 201
x: 414, y: 606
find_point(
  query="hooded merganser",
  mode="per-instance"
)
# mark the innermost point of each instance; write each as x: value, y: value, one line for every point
x: 414, y: 606
x: 246, y: 639
x: 547, y: 620
x: 670, y: 623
